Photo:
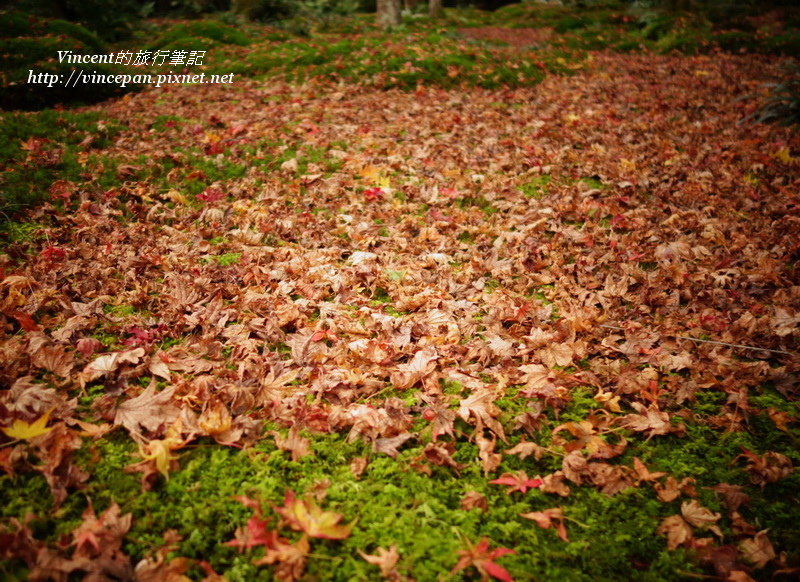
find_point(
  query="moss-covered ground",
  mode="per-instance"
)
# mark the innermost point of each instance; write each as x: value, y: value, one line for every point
x: 516, y: 198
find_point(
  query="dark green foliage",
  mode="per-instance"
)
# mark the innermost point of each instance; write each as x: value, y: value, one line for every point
x: 14, y: 24
x: 30, y: 45
x: 109, y: 20
x: 205, y: 29
x: 783, y: 104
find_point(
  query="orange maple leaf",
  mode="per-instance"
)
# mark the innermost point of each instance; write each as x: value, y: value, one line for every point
x: 306, y: 516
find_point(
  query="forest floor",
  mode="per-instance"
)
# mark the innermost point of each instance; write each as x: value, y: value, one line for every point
x: 332, y: 331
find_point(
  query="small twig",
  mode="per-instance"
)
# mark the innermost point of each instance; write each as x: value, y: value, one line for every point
x: 694, y: 339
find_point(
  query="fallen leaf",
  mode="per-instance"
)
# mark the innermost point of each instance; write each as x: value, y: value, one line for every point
x: 483, y: 560
x: 517, y: 482
x: 23, y: 430
x: 549, y: 518
x: 308, y: 517
x: 150, y: 410
x: 386, y: 560
x: 757, y: 550
x: 677, y: 531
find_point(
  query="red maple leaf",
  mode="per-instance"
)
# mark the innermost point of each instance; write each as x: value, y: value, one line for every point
x: 210, y: 195
x: 483, y: 560
x: 255, y: 533
x: 373, y: 194
x: 518, y: 482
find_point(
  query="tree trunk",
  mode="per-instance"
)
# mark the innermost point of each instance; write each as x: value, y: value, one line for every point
x: 389, y: 13
x: 434, y: 8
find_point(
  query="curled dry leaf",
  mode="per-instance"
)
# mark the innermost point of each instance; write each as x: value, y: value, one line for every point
x: 490, y: 460
x: 671, y: 489
x: 650, y: 420
x: 643, y: 473
x: 733, y: 495
x: 549, y: 518
x: 108, y: 364
x: 474, y: 500
x: 700, y: 517
x: 525, y: 449
x: 770, y: 468
x: 678, y: 532
x: 389, y: 446
x: 150, y: 410
x: 757, y: 550
x: 386, y: 560
x: 297, y: 445
x: 358, y: 466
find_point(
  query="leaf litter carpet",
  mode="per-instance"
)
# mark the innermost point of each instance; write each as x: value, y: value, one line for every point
x: 374, y: 243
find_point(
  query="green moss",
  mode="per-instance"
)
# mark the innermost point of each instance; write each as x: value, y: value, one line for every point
x: 535, y: 188
x: 184, y: 35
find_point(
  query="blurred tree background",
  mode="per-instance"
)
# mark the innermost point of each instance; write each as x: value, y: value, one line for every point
x: 113, y: 20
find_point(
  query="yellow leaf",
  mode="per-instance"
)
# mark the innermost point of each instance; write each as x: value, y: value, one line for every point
x: 159, y: 451
x: 23, y: 431
x: 784, y: 155
x: 370, y: 172
x: 608, y: 400
x: 176, y: 197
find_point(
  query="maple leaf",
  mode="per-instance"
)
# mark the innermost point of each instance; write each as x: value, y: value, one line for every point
x: 480, y: 406
x: 549, y: 518
x: 290, y: 558
x: 297, y: 445
x: 554, y: 483
x: 734, y: 495
x: 306, y: 516
x: 389, y: 446
x: 94, y: 535
x: 643, y: 473
x: 671, y: 489
x: 439, y: 455
x: 677, y: 531
x: 419, y: 368
x: 650, y: 420
x: 770, y: 468
x: 608, y: 399
x: 373, y: 194
x: 700, y: 517
x: 215, y: 420
x: 440, y: 417
x: 53, y: 358
x: 587, y: 437
x: 518, y: 482
x: 88, y: 346
x: 254, y: 534
x: 525, y: 449
x: 757, y: 550
x: 107, y: 364
x: 150, y: 410
x: 386, y: 560
x: 474, y: 500
x: 490, y: 460
x: 22, y: 430
x: 159, y: 451
x: 484, y: 560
